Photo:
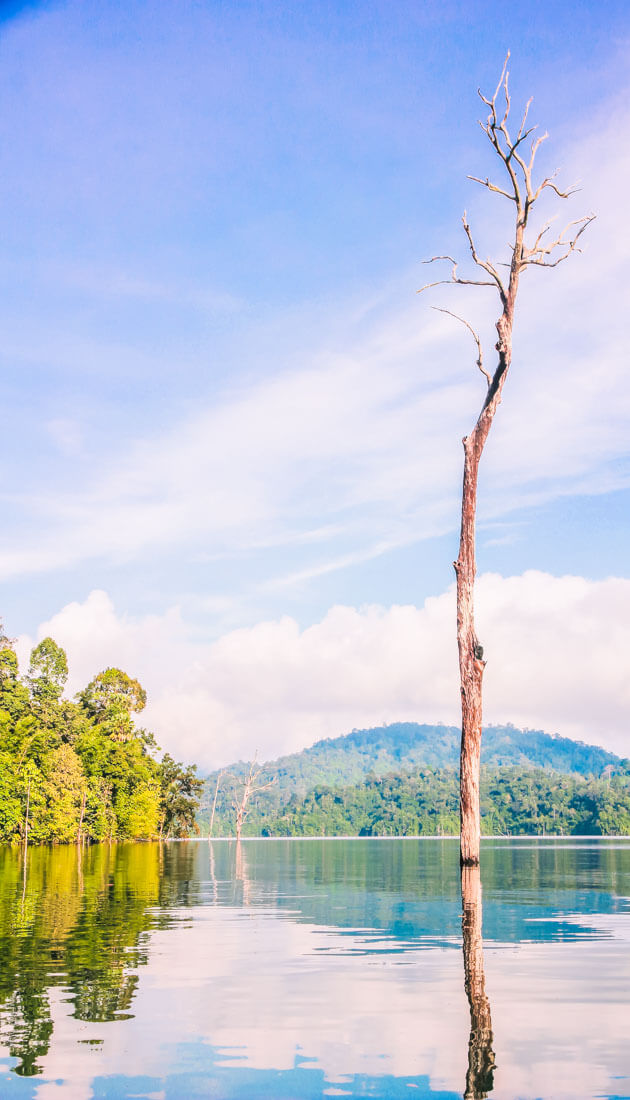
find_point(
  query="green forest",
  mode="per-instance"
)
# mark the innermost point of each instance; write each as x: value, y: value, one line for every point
x: 514, y: 801
x: 82, y: 770
x: 401, y: 780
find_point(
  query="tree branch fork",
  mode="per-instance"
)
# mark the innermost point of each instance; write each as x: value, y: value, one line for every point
x: 524, y: 193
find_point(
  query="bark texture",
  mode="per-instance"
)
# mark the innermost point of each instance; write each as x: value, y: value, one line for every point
x: 471, y: 663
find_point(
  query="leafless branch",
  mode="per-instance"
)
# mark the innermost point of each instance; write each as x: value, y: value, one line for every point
x: 536, y: 256
x: 485, y: 264
x: 492, y: 187
x: 548, y: 182
x: 523, y: 133
x: 475, y: 337
x: 455, y: 278
x: 518, y: 160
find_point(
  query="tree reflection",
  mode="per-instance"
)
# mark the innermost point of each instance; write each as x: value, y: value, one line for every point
x: 78, y: 920
x: 480, y: 1075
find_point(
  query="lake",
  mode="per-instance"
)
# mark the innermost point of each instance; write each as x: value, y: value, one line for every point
x: 297, y: 969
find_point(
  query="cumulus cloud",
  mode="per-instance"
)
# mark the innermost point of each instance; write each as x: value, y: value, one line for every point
x: 557, y: 651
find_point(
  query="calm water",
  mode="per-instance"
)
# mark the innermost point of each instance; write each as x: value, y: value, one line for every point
x: 302, y: 969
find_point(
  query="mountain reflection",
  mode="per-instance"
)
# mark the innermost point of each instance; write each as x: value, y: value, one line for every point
x: 301, y: 968
x: 480, y: 1075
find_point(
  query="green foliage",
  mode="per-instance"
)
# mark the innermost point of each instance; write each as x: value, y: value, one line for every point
x: 82, y: 770
x: 180, y: 788
x: 47, y: 676
x: 110, y: 699
x: 514, y: 801
x: 348, y: 761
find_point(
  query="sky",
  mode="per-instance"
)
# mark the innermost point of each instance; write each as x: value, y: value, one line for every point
x: 231, y: 427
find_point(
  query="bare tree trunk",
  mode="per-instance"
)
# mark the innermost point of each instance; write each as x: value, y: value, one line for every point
x: 471, y: 663
x: 524, y: 193
x: 214, y: 804
x: 250, y: 787
x: 240, y: 815
x: 479, y: 1078
x: 82, y: 815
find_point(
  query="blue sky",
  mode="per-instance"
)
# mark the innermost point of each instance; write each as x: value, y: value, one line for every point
x: 224, y: 403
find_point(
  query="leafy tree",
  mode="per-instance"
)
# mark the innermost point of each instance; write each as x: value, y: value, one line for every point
x: 180, y: 788
x: 47, y: 675
x: 110, y: 698
x: 14, y: 695
x: 82, y: 770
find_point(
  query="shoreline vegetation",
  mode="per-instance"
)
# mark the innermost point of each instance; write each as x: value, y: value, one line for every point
x: 402, y: 780
x: 82, y: 772
x: 515, y: 801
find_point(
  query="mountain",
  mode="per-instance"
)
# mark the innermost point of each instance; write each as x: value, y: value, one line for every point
x: 401, y: 747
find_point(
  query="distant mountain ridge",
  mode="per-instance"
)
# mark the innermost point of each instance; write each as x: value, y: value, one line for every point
x: 349, y: 759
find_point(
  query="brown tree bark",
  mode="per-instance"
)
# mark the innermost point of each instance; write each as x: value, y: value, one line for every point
x: 471, y: 663
x: 519, y: 190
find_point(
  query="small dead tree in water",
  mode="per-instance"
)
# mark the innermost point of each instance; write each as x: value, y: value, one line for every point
x: 214, y: 801
x: 250, y: 787
x: 519, y: 189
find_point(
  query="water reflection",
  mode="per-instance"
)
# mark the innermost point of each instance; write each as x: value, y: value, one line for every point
x: 480, y: 1075
x: 312, y: 968
x: 82, y: 917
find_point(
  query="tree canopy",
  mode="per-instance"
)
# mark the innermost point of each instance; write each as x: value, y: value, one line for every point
x: 82, y: 770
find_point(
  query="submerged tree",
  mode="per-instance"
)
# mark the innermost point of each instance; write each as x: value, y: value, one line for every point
x: 520, y: 189
x: 250, y: 787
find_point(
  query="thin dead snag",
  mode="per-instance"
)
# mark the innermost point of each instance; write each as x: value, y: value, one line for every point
x: 519, y: 189
x: 250, y: 787
x: 214, y: 801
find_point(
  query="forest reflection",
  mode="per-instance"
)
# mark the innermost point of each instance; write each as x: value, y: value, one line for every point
x: 76, y: 928
x: 77, y: 920
x: 480, y: 1075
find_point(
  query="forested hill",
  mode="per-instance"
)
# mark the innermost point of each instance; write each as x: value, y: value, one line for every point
x: 348, y: 759
x: 403, y: 746
x: 407, y: 744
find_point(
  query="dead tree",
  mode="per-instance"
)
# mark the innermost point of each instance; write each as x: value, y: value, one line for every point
x: 519, y: 188
x: 250, y: 787
x: 214, y: 801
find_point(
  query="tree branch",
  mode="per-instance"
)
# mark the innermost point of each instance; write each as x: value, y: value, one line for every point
x: 475, y: 337
x: 485, y: 264
x: 492, y: 187
x: 535, y: 257
x: 455, y: 278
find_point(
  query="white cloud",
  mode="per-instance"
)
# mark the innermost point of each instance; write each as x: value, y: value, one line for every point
x: 359, y: 435
x: 557, y: 651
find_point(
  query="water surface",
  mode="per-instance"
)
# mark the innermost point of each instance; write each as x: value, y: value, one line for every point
x: 309, y: 968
